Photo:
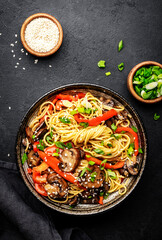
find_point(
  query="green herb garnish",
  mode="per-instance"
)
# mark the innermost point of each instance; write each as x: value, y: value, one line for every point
x: 134, y: 129
x: 117, y: 136
x: 49, y: 140
x: 69, y: 145
x: 156, y: 117
x: 99, y: 151
x: 102, y: 165
x: 24, y: 158
x: 140, y: 150
x: 114, y: 127
x: 65, y: 120
x: 88, y: 156
x: 108, y: 73
x: 109, y: 145
x: 93, y: 176
x: 81, y: 109
x: 84, y: 124
x: 34, y: 136
x: 60, y: 145
x: 121, y: 66
x: 130, y: 151
x: 73, y: 112
x: 55, y: 154
x: 111, y: 174
x: 101, y: 64
x: 91, y: 163
x: 120, y: 45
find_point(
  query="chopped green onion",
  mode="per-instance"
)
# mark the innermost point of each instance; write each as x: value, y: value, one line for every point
x: 60, y: 145
x: 81, y: 109
x: 24, y: 158
x: 111, y: 174
x: 33, y: 137
x: 55, y: 154
x: 101, y: 64
x: 73, y: 112
x: 102, y: 143
x: 140, y: 150
x: 69, y: 145
x: 91, y: 163
x: 130, y: 151
x: 93, y: 176
x: 114, y: 127
x: 84, y: 124
x: 120, y: 45
x: 109, y: 145
x: 134, y: 129
x: 88, y: 156
x: 99, y: 151
x: 108, y: 73
x: 156, y: 117
x: 121, y: 66
x: 65, y: 120
x: 102, y: 165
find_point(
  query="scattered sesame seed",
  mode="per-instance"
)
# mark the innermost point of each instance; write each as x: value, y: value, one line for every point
x: 50, y: 66
x: 15, y: 41
x: 14, y: 55
x: 23, y: 68
x: 8, y: 154
x: 26, y: 53
x: 0, y: 34
x: 15, y: 35
x: 19, y: 58
x: 15, y: 66
x: 22, y: 50
x: 12, y: 51
x: 17, y: 63
x: 35, y: 61
x: 9, y: 108
x: 12, y: 45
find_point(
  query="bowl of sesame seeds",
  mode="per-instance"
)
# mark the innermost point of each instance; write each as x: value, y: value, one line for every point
x: 41, y: 34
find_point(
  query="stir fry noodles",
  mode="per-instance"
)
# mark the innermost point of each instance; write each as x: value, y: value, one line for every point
x: 80, y: 148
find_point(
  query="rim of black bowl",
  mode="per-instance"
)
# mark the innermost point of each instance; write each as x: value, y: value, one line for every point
x: 97, y: 208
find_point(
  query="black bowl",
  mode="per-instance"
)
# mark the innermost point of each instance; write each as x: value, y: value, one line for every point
x: 114, y: 198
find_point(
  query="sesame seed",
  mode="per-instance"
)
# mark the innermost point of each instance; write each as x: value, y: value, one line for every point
x: 9, y: 108
x: 12, y: 51
x: 17, y: 63
x: 26, y: 53
x: 14, y: 55
x: 12, y: 45
x: 50, y: 66
x: 15, y: 66
x: 15, y: 35
x: 42, y: 34
x: 23, y: 68
x: 19, y: 58
x: 8, y: 154
x: 0, y: 34
x: 15, y: 41
x: 35, y: 61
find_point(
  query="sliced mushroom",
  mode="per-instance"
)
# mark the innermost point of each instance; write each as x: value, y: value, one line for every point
x: 110, y: 102
x: 110, y: 122
x: 57, y: 187
x: 92, y: 178
x: 132, y: 166
x: 40, y: 131
x: 29, y: 134
x: 69, y: 159
x: 73, y: 201
x: 124, y: 170
x: 33, y: 160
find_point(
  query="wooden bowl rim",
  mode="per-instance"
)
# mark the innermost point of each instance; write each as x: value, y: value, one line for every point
x: 130, y: 81
x: 22, y: 34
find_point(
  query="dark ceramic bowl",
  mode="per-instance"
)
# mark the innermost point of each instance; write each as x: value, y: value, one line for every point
x: 114, y: 198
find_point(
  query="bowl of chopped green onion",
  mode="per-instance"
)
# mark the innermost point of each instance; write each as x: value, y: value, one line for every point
x: 145, y: 82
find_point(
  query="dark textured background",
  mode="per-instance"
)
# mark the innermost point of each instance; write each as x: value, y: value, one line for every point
x: 92, y: 30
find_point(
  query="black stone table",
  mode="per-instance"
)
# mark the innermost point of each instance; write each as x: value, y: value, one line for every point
x: 92, y: 30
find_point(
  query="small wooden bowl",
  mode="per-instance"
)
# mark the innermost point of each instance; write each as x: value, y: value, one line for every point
x: 130, y: 81
x: 22, y: 34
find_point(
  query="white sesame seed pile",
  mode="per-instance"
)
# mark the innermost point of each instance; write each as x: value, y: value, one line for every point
x: 41, y: 34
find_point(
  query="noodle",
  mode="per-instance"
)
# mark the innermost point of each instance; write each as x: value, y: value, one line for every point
x: 110, y: 146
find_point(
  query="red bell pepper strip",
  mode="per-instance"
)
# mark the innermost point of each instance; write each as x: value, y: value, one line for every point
x: 35, y: 146
x: 100, y: 200
x: 53, y: 163
x: 50, y: 150
x: 70, y: 97
x: 130, y: 130
x: 38, y: 178
x: 97, y: 120
x: 106, y: 165
x: 42, y: 167
x: 29, y: 170
x: 40, y: 189
x: 59, y: 105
